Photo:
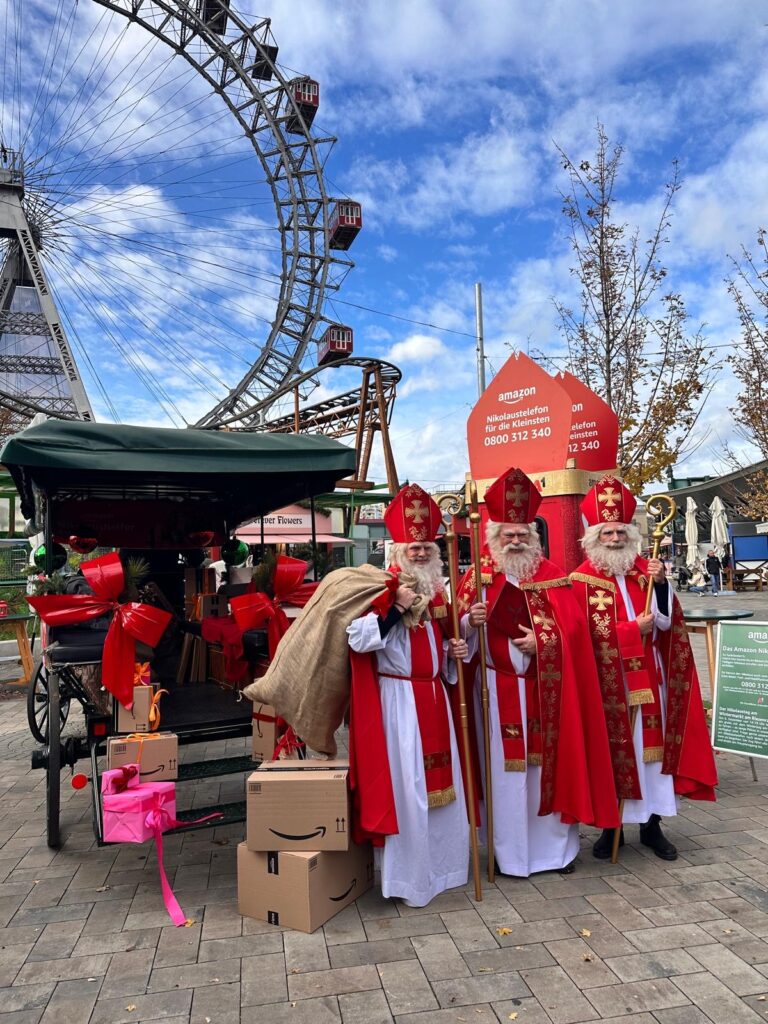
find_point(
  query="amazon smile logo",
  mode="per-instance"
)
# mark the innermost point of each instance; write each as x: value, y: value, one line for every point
x: 319, y: 832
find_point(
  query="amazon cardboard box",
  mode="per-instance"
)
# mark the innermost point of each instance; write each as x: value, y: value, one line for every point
x: 156, y: 755
x: 298, y: 805
x: 264, y: 731
x: 301, y: 890
x: 137, y: 719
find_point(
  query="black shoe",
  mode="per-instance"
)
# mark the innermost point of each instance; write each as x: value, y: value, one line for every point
x: 652, y: 837
x: 569, y: 868
x: 603, y: 848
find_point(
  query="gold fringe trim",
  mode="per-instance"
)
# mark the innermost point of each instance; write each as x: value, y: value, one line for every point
x: 560, y: 581
x: 514, y: 765
x: 440, y: 612
x: 537, y: 760
x: 441, y: 797
x: 652, y: 755
x: 640, y: 697
x: 582, y: 577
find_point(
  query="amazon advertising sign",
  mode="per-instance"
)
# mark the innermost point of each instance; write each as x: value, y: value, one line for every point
x: 527, y: 418
x: 740, y: 699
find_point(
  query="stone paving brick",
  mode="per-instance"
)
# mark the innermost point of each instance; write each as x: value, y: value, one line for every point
x: 128, y: 972
x: 447, y: 901
x: 635, y: 891
x: 406, y: 987
x: 724, y: 964
x: 178, y: 946
x: 528, y: 1010
x: 661, y: 964
x: 50, y: 915
x: 681, y: 1015
x: 364, y: 1008
x: 603, y: 938
x: 482, y: 1012
x: 382, y: 951
x: 569, y: 906
x: 324, y: 1010
x: 71, y: 1003
x: 57, y: 940
x: 107, y: 917
x: 439, y: 957
x: 496, y: 910
x: 553, y: 886
x: 751, y: 891
x: 26, y: 997
x: 11, y: 959
x: 63, y: 970
x: 482, y: 988
x: 580, y: 962
x: 263, y: 979
x: 164, y: 979
x: 469, y: 931
x: 220, y: 1004
x: 303, y: 953
x: 158, y: 1006
x: 558, y: 995
x: 222, y: 922
x: 669, y: 936
x: 373, y: 906
x: 346, y: 927
x: 509, y: 958
x: 636, y: 996
x: 696, y: 893
x: 23, y: 1017
x: 241, y: 946
x: 716, y: 1000
x: 397, y: 927
x: 684, y: 913
x: 618, y: 912
x: 332, y: 982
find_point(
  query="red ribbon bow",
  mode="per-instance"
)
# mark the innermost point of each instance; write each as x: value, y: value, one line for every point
x: 254, y: 611
x: 131, y: 621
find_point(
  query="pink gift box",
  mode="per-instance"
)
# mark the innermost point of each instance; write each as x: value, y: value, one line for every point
x: 128, y: 818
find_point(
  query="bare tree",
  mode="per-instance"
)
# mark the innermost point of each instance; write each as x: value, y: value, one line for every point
x: 629, y: 340
x: 748, y: 288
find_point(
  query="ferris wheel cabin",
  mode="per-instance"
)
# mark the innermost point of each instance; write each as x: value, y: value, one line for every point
x: 214, y: 13
x: 262, y: 66
x: 336, y: 344
x: 305, y: 93
x: 346, y: 221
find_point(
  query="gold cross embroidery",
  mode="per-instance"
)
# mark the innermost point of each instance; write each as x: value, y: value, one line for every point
x: 601, y: 600
x: 517, y: 496
x: 549, y: 675
x: 512, y: 730
x: 607, y: 653
x: 652, y: 721
x: 634, y: 664
x: 543, y: 621
x: 609, y: 497
x: 416, y: 512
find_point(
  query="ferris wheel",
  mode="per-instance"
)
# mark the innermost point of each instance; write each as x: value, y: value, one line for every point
x: 170, y: 229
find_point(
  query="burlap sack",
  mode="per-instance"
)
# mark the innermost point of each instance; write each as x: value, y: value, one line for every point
x: 308, y: 680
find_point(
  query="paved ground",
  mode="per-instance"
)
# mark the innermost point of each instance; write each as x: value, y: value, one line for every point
x: 84, y: 937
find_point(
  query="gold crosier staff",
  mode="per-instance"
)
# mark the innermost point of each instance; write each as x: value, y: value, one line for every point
x: 654, y: 505
x: 450, y: 505
x: 474, y: 519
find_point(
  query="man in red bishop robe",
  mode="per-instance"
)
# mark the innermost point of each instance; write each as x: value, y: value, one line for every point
x: 550, y: 761
x: 407, y: 782
x: 645, y: 661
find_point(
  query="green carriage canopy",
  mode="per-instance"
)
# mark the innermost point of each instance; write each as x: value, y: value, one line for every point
x: 155, y: 487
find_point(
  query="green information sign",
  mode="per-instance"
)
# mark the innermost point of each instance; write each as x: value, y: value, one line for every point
x: 740, y: 700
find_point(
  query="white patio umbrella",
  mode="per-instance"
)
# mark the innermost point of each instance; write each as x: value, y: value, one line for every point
x: 691, y: 534
x: 719, y: 538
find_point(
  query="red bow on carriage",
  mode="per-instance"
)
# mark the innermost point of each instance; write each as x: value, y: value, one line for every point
x: 131, y: 621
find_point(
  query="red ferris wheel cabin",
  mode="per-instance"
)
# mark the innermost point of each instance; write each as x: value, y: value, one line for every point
x: 346, y: 221
x: 335, y: 344
x: 305, y: 93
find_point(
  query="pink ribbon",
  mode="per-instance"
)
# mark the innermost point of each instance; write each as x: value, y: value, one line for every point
x: 159, y: 821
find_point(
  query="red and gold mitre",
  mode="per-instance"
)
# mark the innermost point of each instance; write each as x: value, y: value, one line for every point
x: 609, y: 501
x: 512, y: 498
x: 412, y: 517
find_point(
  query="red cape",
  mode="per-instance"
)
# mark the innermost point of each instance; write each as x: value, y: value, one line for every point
x: 583, y: 778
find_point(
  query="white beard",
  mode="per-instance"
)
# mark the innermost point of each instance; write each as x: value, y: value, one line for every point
x: 613, y: 562
x: 428, y: 579
x: 520, y: 563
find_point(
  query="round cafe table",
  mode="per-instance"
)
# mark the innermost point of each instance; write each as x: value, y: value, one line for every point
x: 704, y: 620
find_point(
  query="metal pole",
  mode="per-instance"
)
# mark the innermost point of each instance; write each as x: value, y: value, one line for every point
x: 479, y: 333
x: 314, y: 539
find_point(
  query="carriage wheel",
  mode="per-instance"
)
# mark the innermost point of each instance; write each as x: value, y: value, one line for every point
x: 53, y: 766
x: 38, y: 706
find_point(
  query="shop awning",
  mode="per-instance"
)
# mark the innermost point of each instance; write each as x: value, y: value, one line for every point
x: 251, y: 536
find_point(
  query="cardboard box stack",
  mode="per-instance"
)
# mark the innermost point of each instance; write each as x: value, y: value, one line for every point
x: 156, y: 754
x: 298, y: 866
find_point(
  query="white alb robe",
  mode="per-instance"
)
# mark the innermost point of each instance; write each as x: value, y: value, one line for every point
x: 430, y: 853
x: 524, y: 842
x: 658, y: 791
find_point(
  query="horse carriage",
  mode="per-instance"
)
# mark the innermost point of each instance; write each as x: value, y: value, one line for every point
x: 158, y: 495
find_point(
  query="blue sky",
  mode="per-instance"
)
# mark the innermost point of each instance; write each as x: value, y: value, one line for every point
x: 448, y: 114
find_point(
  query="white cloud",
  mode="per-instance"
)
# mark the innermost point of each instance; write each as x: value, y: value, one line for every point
x: 418, y: 348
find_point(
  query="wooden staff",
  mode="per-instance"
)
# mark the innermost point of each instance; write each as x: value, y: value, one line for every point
x: 655, y: 506
x: 447, y: 503
x: 474, y: 519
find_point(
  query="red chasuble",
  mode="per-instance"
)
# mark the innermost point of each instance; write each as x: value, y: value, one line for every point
x: 562, y: 695
x: 684, y: 748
